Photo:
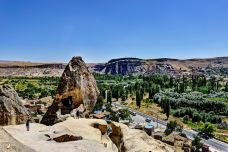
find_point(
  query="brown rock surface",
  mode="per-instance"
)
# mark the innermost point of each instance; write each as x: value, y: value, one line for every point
x: 178, y: 142
x: 77, y: 86
x: 12, y: 110
x: 67, y: 138
x: 158, y: 135
x: 102, y: 128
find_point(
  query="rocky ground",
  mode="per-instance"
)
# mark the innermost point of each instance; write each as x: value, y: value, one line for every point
x: 9, y: 144
x: 93, y: 139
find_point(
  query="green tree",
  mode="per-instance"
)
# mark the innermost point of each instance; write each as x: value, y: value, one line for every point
x: 109, y: 97
x: 138, y: 99
x: 197, y: 143
x: 99, y: 103
x: 124, y: 95
x: 44, y: 93
x: 124, y: 114
x: 167, y: 107
x: 226, y: 87
x: 186, y: 119
x: 151, y: 93
x: 208, y: 129
x: 171, y: 82
x: 196, y: 117
x: 181, y: 88
x: 213, y: 83
x: 171, y: 126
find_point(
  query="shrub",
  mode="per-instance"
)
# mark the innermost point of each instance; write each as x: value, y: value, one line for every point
x: 172, y: 126
x: 197, y: 142
x: 196, y: 117
x: 185, y: 118
x: 208, y: 129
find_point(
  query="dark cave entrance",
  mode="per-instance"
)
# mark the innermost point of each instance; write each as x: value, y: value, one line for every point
x: 67, y: 105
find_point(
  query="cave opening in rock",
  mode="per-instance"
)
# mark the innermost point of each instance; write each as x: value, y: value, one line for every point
x: 67, y: 105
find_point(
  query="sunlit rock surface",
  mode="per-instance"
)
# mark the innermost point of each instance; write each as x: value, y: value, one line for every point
x: 131, y: 140
x: 77, y: 86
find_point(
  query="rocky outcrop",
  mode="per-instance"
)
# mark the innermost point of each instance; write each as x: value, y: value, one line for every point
x: 180, y: 143
x: 12, y: 110
x: 93, y: 140
x: 77, y: 86
x: 123, y: 66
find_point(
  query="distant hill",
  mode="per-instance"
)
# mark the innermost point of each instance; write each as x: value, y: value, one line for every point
x: 126, y: 66
x: 123, y: 66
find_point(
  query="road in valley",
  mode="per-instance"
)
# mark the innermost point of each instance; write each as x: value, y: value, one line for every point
x: 212, y: 143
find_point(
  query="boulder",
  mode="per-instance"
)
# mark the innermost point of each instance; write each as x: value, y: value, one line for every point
x: 170, y: 139
x: 158, y: 135
x: 12, y: 110
x: 102, y: 128
x: 187, y: 143
x: 77, y: 86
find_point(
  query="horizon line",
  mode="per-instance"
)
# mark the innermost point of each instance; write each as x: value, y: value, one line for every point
x: 59, y: 62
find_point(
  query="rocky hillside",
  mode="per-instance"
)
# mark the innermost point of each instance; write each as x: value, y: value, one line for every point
x: 124, y: 66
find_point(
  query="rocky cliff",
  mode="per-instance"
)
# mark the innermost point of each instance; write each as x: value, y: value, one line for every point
x: 77, y: 87
x: 124, y: 66
x: 167, y: 66
x: 12, y: 110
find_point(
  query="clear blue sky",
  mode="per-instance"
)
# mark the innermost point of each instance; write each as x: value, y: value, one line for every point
x: 99, y: 30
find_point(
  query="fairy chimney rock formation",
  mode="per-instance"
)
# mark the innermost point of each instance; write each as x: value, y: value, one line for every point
x: 12, y: 110
x: 77, y: 86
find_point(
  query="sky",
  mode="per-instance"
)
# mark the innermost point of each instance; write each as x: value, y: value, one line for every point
x: 100, y: 30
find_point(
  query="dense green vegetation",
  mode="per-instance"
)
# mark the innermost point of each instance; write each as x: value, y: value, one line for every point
x: 33, y: 88
x: 194, y: 99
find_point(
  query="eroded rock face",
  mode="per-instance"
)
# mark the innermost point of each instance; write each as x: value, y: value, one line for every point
x: 12, y: 110
x: 77, y: 86
x: 124, y: 66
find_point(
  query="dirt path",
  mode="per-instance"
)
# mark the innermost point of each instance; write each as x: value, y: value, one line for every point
x: 9, y: 144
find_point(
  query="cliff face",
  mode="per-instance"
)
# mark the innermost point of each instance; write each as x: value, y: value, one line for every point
x: 12, y: 110
x: 123, y: 66
x: 166, y: 66
x: 77, y: 86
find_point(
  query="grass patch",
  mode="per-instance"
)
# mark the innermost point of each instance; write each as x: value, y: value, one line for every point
x: 222, y: 137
